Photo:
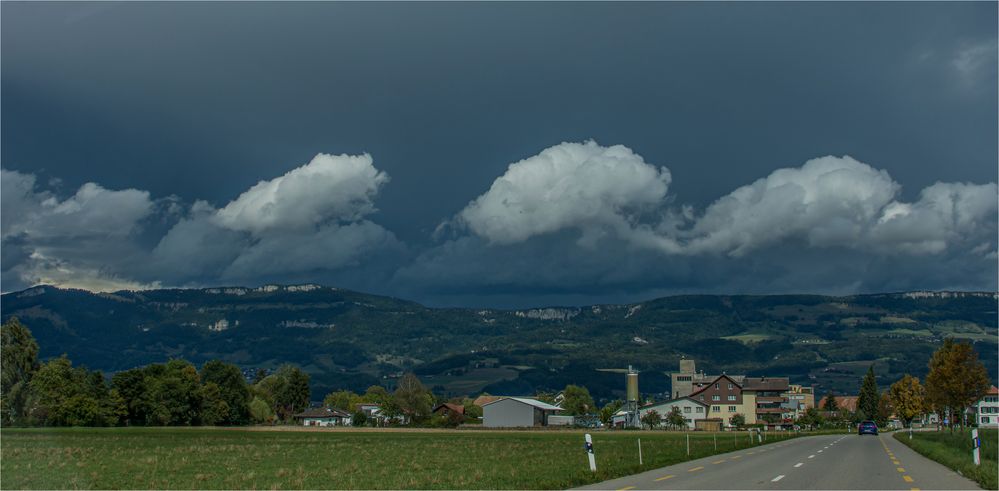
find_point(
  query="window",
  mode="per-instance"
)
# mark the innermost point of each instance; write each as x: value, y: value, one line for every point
x: 700, y: 409
x: 716, y: 386
x: 686, y: 409
x: 715, y: 398
x: 731, y: 398
x: 731, y: 409
x: 985, y: 420
x: 716, y: 409
x: 729, y: 386
x: 702, y: 397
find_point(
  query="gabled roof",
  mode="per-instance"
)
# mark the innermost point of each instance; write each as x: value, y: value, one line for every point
x: 483, y: 400
x: 322, y: 412
x: 671, y: 401
x: 767, y: 383
x: 993, y: 391
x: 457, y: 408
x: 716, y: 379
x: 530, y: 402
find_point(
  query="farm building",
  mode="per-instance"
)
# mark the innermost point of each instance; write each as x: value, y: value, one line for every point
x: 692, y: 410
x: 447, y: 408
x: 323, y: 416
x: 517, y: 412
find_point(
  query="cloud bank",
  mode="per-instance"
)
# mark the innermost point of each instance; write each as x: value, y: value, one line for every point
x: 576, y: 223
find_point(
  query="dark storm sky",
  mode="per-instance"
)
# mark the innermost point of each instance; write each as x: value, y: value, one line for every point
x: 201, y: 101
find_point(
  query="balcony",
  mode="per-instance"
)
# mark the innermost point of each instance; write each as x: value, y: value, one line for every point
x: 770, y: 410
x: 770, y: 400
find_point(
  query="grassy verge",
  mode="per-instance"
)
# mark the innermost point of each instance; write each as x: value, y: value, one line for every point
x: 179, y: 458
x: 954, y: 450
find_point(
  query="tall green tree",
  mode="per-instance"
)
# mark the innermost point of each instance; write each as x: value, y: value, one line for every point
x: 869, y: 395
x: 830, y: 402
x: 577, y: 400
x: 956, y: 379
x: 232, y: 388
x: 344, y: 400
x: 19, y: 361
x: 294, y: 395
x: 63, y: 395
x: 413, y: 399
x: 908, y: 398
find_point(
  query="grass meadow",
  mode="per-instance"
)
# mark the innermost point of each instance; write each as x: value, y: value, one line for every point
x: 190, y: 458
x: 953, y: 449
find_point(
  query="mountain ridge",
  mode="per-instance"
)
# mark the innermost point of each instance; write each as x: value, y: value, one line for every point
x: 349, y: 339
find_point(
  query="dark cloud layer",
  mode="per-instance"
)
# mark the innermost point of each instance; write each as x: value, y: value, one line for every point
x: 178, y: 144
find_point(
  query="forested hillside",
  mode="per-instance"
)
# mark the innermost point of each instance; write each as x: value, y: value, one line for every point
x: 354, y: 340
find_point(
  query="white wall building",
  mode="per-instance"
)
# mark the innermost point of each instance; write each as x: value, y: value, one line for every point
x: 323, y: 417
x: 517, y: 412
x: 987, y: 409
x: 691, y: 409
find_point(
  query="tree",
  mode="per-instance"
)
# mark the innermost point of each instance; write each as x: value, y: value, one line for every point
x: 214, y: 408
x: 885, y: 409
x: 908, y: 398
x: 342, y: 399
x: 232, y: 387
x: 576, y: 400
x: 260, y: 411
x: 62, y: 395
x: 652, y: 419
x: 358, y: 418
x: 812, y: 417
x: 675, y: 419
x: 737, y: 420
x: 607, y: 412
x: 869, y: 395
x: 376, y: 394
x: 956, y: 379
x: 292, y: 394
x: 19, y: 359
x: 412, y: 398
x: 830, y: 402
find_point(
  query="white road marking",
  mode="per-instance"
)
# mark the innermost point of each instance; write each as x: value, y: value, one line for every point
x: 820, y: 451
x: 778, y: 478
x: 811, y: 456
x: 799, y: 464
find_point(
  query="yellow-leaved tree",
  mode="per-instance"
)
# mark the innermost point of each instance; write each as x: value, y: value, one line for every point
x: 908, y: 398
x: 956, y: 380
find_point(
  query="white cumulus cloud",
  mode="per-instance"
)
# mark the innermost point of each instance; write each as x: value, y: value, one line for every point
x: 329, y: 188
x: 582, y: 186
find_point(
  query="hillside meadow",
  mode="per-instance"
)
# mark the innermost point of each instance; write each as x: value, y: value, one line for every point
x: 220, y: 458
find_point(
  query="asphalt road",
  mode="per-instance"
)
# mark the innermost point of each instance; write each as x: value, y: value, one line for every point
x: 847, y: 461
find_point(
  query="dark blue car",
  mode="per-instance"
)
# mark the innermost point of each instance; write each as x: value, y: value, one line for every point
x: 868, y: 427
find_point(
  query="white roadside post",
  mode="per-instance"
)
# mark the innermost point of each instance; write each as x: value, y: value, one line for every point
x: 976, y: 444
x: 639, y: 451
x: 688, y: 444
x: 589, y: 453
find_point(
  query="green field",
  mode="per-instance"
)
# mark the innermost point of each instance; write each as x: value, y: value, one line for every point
x: 181, y: 458
x: 953, y: 449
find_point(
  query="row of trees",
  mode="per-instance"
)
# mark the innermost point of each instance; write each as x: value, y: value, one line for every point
x: 956, y: 380
x: 56, y: 393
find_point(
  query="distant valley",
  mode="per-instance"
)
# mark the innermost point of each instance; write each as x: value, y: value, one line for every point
x: 346, y: 339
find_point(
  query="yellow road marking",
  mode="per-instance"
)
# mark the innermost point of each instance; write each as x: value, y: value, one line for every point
x: 695, y: 469
x: 913, y: 489
x: 736, y: 457
x: 907, y: 478
x: 671, y: 476
x: 627, y: 488
x: 718, y: 461
x: 900, y: 469
x: 896, y: 462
